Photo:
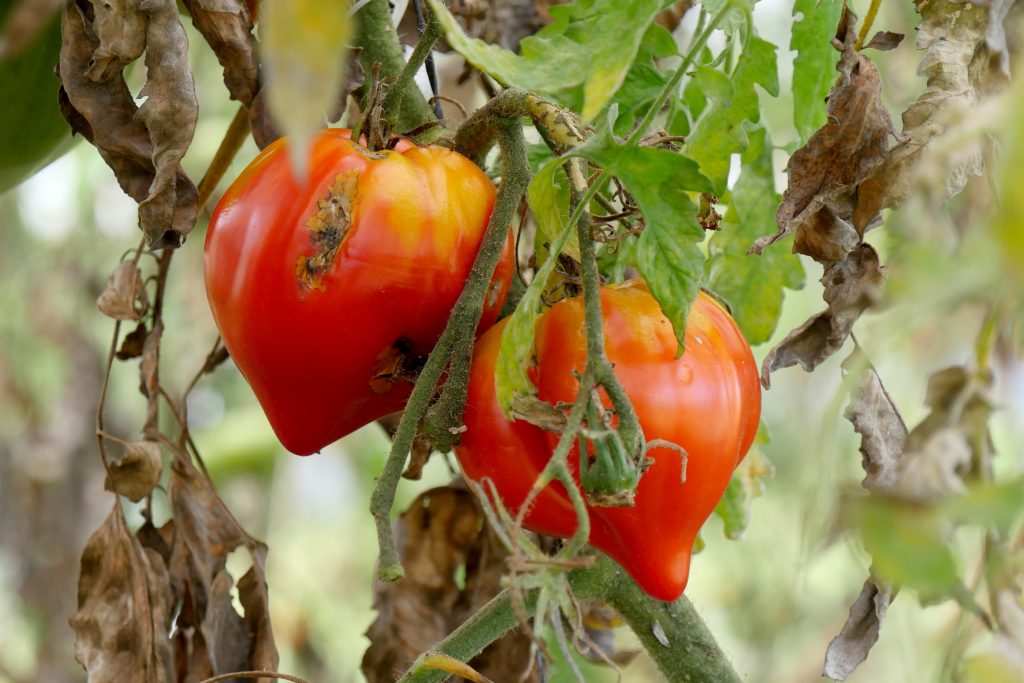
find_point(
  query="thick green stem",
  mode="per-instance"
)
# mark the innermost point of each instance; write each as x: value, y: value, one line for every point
x: 691, y: 654
x: 405, y: 83
x: 478, y: 134
x: 376, y: 37
x: 456, y: 342
x: 445, y: 416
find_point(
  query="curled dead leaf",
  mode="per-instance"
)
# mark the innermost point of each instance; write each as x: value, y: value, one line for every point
x: 851, y: 286
x: 124, y: 296
x: 227, y: 27
x: 860, y: 632
x: 453, y: 565
x: 143, y: 146
x: 878, y: 422
x: 124, y: 608
x: 136, y: 473
x: 824, y: 174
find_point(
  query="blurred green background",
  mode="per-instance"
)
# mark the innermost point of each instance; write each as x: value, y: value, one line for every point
x: 774, y: 599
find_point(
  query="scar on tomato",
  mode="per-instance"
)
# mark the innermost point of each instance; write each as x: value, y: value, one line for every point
x: 394, y: 364
x: 328, y: 227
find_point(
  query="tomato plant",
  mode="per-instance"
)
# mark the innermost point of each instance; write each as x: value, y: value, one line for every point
x: 707, y: 402
x: 329, y: 291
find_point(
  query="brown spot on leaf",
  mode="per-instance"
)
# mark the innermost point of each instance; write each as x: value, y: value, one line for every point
x: 328, y: 227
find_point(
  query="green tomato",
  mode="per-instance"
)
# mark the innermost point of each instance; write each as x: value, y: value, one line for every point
x: 32, y: 131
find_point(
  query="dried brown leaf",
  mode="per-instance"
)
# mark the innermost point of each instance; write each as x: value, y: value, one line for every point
x: 124, y: 608
x: 442, y: 534
x: 136, y: 473
x: 124, y: 296
x: 132, y: 344
x: 860, y: 632
x: 940, y: 450
x: 882, y: 430
x: 824, y: 174
x: 23, y: 23
x: 957, y: 66
x: 121, y: 30
x: 885, y: 40
x: 216, y: 638
x: 851, y: 286
x: 142, y: 146
x: 227, y: 27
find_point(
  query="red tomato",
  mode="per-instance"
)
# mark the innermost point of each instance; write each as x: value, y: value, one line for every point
x: 327, y: 292
x: 708, y: 402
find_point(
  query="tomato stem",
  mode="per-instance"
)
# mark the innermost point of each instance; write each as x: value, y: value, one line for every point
x: 428, y: 38
x: 454, y: 348
x: 692, y: 654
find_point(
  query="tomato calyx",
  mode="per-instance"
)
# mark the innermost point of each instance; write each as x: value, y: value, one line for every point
x: 609, y: 474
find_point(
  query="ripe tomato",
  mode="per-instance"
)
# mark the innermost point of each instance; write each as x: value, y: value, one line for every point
x: 328, y: 291
x: 708, y: 402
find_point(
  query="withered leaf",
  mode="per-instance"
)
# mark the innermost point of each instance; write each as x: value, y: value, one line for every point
x: 851, y: 286
x: 132, y: 344
x: 953, y: 33
x: 23, y: 23
x: 885, y: 40
x: 149, y: 376
x: 860, y: 632
x: 941, y: 448
x: 538, y: 412
x: 440, y: 536
x: 142, y: 146
x: 218, y: 639
x: 121, y: 30
x: 124, y: 608
x: 227, y: 27
x: 880, y: 426
x: 824, y: 173
x: 136, y: 473
x: 124, y: 296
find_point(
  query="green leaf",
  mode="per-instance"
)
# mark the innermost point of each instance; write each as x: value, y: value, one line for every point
x: 753, y: 285
x: 747, y: 483
x: 995, y: 506
x: 512, y: 383
x: 644, y: 81
x: 668, y: 252
x: 909, y: 547
x: 548, y: 197
x: 588, y: 48
x: 813, y: 74
x: 721, y: 130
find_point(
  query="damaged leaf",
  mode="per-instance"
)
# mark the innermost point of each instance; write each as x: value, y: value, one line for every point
x: 227, y: 27
x: 851, y: 286
x: 136, y: 473
x: 210, y: 634
x: 124, y: 608
x: 124, y: 296
x: 878, y: 422
x: 823, y: 174
x: 453, y: 565
x: 143, y: 146
x: 956, y: 64
x: 860, y: 632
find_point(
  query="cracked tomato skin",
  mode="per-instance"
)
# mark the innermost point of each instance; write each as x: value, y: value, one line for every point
x: 325, y: 289
x: 708, y: 402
